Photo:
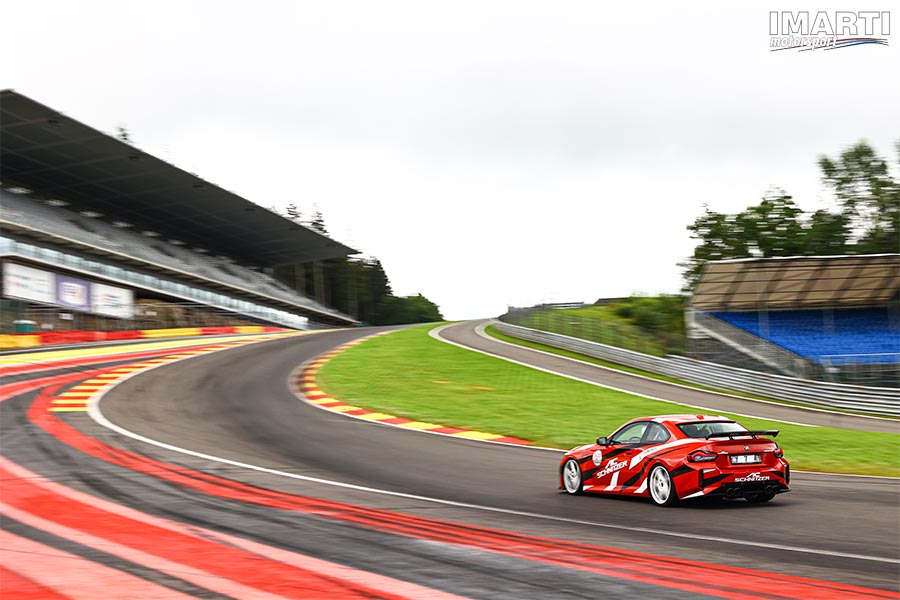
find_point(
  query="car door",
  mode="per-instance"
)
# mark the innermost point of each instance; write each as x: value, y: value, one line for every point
x: 612, y: 462
x: 654, y: 441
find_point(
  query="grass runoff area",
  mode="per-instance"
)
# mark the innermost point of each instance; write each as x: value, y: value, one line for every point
x: 408, y: 374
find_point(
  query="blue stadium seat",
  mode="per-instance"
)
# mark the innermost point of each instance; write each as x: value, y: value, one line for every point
x: 870, y: 333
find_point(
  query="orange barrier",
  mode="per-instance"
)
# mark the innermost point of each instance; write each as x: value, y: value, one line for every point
x: 50, y: 338
x: 121, y: 335
x: 53, y: 338
x: 217, y: 330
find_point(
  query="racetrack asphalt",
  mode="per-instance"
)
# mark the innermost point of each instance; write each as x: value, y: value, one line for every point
x: 236, y: 405
x: 470, y: 335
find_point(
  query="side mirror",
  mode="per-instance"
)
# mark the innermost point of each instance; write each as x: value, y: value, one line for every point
x: 602, y: 441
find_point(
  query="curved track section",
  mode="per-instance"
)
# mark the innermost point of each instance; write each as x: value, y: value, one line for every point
x: 471, y: 335
x: 414, y: 515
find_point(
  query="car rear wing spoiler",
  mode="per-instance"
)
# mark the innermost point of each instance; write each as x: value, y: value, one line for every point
x: 733, y: 434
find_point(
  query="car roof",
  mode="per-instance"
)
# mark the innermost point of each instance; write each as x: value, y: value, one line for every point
x: 685, y: 418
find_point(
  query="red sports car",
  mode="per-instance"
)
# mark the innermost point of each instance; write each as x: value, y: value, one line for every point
x: 676, y: 457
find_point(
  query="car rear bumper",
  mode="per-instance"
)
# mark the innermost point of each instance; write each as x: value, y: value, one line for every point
x: 740, y: 490
x: 713, y: 482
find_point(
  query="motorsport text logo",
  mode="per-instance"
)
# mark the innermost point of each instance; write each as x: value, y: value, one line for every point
x: 827, y: 30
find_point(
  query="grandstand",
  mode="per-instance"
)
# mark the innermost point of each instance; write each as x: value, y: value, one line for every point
x: 834, y: 318
x: 94, y: 230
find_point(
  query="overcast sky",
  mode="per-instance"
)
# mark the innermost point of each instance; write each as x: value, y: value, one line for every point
x: 489, y: 153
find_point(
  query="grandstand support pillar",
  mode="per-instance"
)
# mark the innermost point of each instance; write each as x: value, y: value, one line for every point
x: 353, y: 298
x: 319, y: 282
x: 299, y: 278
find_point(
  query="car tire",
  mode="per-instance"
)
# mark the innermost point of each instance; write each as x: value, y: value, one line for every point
x: 572, y: 477
x: 662, y: 489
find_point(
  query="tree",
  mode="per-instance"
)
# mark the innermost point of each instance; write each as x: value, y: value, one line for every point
x: 866, y: 221
x: 318, y: 223
x: 721, y: 236
x: 869, y: 197
x: 293, y: 213
x: 356, y: 285
x: 423, y: 310
x: 772, y: 227
x: 123, y: 134
x: 827, y: 234
x: 396, y: 310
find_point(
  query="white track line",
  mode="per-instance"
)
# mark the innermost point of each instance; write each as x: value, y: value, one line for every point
x: 97, y: 415
x: 302, y: 397
x: 436, y: 334
x: 480, y: 330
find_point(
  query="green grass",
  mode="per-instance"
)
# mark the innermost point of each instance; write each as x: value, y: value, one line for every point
x: 652, y: 325
x: 491, y: 331
x: 588, y: 324
x: 409, y: 374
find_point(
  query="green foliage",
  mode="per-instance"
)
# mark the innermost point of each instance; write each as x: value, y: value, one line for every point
x: 657, y: 313
x: 395, y: 310
x: 772, y: 228
x: 360, y: 288
x: 867, y: 219
x: 827, y: 234
x: 357, y: 286
x: 649, y: 324
x: 353, y: 285
x: 868, y: 195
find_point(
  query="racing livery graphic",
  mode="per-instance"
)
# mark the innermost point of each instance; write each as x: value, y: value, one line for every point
x: 676, y: 457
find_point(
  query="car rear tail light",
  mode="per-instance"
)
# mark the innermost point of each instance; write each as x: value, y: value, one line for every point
x: 778, y: 452
x: 702, y: 456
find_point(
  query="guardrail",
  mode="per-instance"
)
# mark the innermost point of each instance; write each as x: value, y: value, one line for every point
x: 776, y: 357
x: 875, y: 400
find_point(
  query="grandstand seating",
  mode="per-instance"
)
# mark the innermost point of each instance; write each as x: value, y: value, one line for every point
x: 872, y: 335
x: 100, y: 234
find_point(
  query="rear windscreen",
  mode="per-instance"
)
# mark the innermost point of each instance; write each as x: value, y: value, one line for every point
x: 705, y: 428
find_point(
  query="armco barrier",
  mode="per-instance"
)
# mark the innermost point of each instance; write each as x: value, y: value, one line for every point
x: 884, y: 401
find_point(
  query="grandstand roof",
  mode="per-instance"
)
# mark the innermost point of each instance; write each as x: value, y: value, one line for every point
x: 807, y: 282
x: 58, y: 157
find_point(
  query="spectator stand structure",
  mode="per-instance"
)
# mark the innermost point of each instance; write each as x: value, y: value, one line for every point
x: 97, y: 234
x: 834, y: 318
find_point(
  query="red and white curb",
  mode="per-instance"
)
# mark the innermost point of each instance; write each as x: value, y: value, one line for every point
x: 303, y: 383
